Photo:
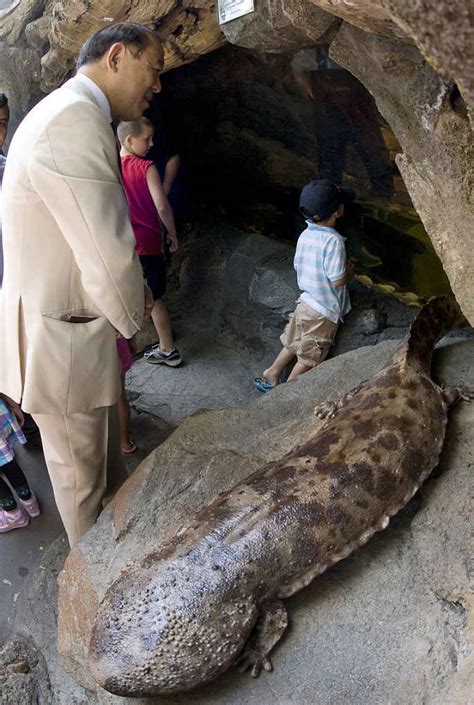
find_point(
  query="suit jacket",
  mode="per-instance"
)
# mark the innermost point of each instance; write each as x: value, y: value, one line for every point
x: 69, y: 252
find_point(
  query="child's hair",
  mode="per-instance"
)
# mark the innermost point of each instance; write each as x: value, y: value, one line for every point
x: 134, y: 128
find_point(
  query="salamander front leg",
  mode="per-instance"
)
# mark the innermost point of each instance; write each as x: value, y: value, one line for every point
x: 271, y: 623
x: 328, y: 409
x: 455, y: 394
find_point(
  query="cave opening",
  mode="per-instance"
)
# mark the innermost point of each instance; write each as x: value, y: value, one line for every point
x: 252, y: 128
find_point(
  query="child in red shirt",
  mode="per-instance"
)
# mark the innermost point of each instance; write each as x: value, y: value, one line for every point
x: 148, y: 204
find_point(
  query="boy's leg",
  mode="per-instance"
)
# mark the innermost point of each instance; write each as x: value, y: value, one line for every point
x: 123, y: 412
x: 317, y: 334
x: 154, y: 270
x: 290, y: 341
x: 299, y: 369
x: 162, y: 323
x: 272, y: 373
x: 308, y: 337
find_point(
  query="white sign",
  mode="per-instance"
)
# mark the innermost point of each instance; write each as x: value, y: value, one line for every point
x: 231, y: 9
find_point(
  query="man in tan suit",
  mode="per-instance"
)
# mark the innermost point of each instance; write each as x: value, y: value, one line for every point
x: 72, y: 278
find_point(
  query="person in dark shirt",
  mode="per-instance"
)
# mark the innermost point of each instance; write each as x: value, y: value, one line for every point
x: 165, y: 152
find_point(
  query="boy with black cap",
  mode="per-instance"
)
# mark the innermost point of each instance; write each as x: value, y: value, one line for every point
x: 322, y: 274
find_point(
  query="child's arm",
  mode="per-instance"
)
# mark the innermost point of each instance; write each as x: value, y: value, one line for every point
x: 348, y: 276
x: 162, y: 205
x: 171, y: 171
x: 15, y: 408
x: 337, y: 268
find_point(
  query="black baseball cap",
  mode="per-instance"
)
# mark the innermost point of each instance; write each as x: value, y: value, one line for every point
x: 320, y: 198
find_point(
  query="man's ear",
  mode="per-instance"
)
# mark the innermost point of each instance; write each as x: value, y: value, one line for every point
x: 114, y: 56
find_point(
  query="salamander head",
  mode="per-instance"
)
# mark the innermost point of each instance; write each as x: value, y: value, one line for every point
x: 154, y: 635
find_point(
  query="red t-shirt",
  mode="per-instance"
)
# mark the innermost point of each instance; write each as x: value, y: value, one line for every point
x: 143, y: 215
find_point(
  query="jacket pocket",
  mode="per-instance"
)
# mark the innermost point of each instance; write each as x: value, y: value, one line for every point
x: 73, y: 315
x: 75, y: 363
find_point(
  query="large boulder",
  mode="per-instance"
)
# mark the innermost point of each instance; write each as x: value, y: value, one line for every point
x: 393, y: 622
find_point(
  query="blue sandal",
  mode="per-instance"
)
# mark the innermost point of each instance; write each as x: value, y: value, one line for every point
x: 263, y: 385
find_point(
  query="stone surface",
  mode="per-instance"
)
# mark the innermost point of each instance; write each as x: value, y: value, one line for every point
x: 444, y: 33
x: 22, y: 551
x: 24, y: 675
x: 19, y: 79
x: 250, y: 138
x: 57, y: 30
x: 393, y: 623
x: 252, y: 130
x: 437, y: 161
x: 188, y: 30
x: 437, y: 144
x: 370, y: 15
x: 44, y: 682
x: 234, y: 292
x: 406, y: 595
x: 437, y: 155
x: 278, y: 26
x: 16, y: 15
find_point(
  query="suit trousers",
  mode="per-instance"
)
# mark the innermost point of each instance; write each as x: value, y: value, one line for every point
x: 77, y: 448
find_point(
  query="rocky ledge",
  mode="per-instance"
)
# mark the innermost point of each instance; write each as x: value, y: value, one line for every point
x: 392, y: 623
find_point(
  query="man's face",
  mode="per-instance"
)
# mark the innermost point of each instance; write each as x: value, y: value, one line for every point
x: 138, y: 77
x: 4, y: 116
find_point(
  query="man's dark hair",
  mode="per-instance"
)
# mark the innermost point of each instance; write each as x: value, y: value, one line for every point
x: 129, y: 33
x: 4, y: 102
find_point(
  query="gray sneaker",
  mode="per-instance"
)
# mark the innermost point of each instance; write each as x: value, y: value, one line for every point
x: 155, y: 356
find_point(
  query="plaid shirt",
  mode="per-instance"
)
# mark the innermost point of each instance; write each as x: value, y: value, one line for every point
x: 9, y: 433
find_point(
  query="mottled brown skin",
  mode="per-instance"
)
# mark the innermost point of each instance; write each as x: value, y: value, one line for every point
x: 186, y: 613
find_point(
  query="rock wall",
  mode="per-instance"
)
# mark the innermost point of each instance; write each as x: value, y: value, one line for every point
x: 415, y: 56
x: 437, y: 144
x: 278, y: 26
x: 421, y: 79
x: 253, y: 129
x: 392, y: 623
x: 57, y: 30
x: 444, y: 33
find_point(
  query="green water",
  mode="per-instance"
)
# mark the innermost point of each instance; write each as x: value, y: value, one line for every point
x: 391, y: 246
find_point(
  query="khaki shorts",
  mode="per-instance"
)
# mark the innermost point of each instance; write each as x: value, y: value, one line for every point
x: 308, y: 335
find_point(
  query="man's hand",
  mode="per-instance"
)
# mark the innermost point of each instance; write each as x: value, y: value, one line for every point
x: 172, y: 241
x: 149, y: 303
